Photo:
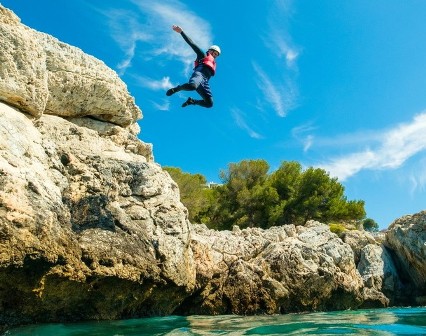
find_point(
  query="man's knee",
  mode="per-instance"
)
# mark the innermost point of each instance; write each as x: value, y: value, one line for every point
x: 191, y: 86
x: 209, y: 103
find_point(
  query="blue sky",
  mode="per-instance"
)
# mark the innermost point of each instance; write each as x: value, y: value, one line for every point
x: 334, y: 84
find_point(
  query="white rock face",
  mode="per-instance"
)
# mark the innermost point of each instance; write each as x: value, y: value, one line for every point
x: 88, y: 210
x: 407, y: 237
x: 378, y: 273
x: 23, y: 71
x: 376, y: 267
x: 283, y: 269
x: 40, y: 74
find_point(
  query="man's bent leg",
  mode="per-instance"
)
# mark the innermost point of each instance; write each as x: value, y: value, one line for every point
x: 192, y: 84
x: 205, y: 93
x: 208, y: 102
x: 187, y: 87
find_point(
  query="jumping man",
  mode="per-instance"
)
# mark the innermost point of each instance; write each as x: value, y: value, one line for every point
x: 204, y: 68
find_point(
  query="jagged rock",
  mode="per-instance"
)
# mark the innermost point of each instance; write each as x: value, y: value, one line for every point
x: 381, y: 279
x: 407, y: 237
x: 86, y: 228
x: 40, y: 74
x: 358, y: 240
x: 375, y: 263
x: 23, y: 72
x: 283, y: 269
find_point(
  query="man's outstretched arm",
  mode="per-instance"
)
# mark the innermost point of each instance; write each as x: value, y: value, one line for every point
x: 197, y: 49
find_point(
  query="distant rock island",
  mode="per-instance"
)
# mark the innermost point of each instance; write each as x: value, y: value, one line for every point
x: 91, y: 227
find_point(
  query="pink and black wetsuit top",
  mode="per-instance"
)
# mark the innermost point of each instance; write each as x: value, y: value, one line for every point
x: 204, y: 62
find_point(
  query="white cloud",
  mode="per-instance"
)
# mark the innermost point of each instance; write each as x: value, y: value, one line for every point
x: 291, y: 55
x: 161, y: 107
x: 308, y: 143
x: 278, y: 39
x: 300, y: 133
x: 359, y: 139
x: 395, y: 147
x: 281, y: 92
x: 282, y: 98
x: 153, y: 84
x: 156, y: 85
x: 149, y: 24
x: 127, y: 31
x: 240, y: 121
x: 269, y: 91
x: 418, y: 179
x: 283, y: 49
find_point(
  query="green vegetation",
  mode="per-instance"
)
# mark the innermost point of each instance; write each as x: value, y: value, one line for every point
x: 370, y: 225
x: 193, y: 193
x: 251, y: 197
x: 337, y: 228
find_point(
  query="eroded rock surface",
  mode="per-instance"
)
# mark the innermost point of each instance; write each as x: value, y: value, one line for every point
x: 40, y: 74
x: 407, y: 238
x: 283, y: 269
x: 86, y: 225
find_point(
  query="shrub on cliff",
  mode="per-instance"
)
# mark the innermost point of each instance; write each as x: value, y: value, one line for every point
x: 250, y: 196
x: 193, y: 192
x: 370, y: 225
x: 337, y: 228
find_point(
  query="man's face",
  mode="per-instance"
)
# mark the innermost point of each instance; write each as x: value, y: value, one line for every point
x: 214, y: 53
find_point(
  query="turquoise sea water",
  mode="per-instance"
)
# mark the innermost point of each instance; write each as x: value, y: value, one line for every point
x: 400, y: 321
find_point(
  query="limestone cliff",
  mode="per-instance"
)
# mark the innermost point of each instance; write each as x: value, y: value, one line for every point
x: 92, y: 228
x: 42, y: 75
x: 407, y: 239
x: 88, y: 221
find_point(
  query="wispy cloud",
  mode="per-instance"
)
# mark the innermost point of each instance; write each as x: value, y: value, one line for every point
x: 281, y: 91
x: 395, y: 147
x: 360, y: 139
x: 154, y: 84
x: 239, y: 119
x: 304, y: 134
x: 283, y: 47
x: 417, y: 177
x: 161, y: 107
x: 308, y: 142
x: 279, y: 96
x: 127, y: 31
x: 150, y: 24
x: 278, y: 38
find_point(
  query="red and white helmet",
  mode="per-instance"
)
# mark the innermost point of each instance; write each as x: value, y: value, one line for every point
x: 215, y: 48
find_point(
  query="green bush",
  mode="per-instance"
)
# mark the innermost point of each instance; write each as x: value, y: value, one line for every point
x: 337, y: 228
x: 250, y: 196
x: 370, y: 225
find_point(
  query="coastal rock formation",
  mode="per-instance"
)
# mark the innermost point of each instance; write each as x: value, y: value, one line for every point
x: 375, y: 264
x: 40, y: 74
x: 407, y: 238
x: 92, y: 228
x: 283, y: 269
x: 86, y: 225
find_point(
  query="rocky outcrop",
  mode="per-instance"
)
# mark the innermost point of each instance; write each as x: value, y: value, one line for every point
x: 86, y: 225
x: 92, y: 228
x: 40, y: 74
x: 407, y: 238
x: 381, y: 281
x: 283, y: 269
